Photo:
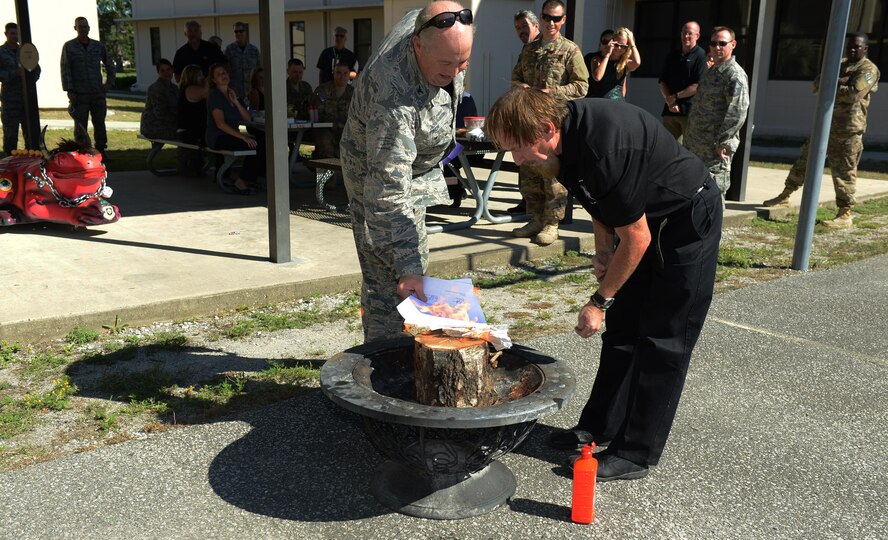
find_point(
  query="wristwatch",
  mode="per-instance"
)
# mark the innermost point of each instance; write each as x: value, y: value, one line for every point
x: 601, y: 302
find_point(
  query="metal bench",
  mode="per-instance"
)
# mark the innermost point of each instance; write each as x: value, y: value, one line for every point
x: 229, y: 158
x: 324, y: 170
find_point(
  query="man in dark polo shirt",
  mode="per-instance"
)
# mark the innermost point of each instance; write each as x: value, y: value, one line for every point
x: 682, y: 70
x: 196, y: 51
x: 657, y: 219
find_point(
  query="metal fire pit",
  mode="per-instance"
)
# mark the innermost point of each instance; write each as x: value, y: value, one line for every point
x: 442, y: 460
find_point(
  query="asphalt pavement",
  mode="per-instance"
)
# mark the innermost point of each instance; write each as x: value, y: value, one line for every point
x: 782, y: 432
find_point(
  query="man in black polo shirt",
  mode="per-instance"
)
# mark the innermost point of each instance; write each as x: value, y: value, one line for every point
x: 196, y: 51
x: 682, y: 70
x: 657, y: 218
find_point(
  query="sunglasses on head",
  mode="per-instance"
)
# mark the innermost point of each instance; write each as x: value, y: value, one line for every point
x: 718, y: 43
x: 553, y: 18
x: 448, y: 19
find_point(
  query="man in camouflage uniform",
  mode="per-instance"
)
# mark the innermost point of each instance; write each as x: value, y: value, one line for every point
x: 555, y: 65
x: 719, y: 109
x: 401, y: 122
x: 12, y: 96
x: 858, y: 79
x: 299, y: 92
x: 334, y: 98
x: 81, y: 63
x: 243, y: 58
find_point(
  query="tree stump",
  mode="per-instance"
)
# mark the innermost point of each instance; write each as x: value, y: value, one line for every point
x: 452, y: 372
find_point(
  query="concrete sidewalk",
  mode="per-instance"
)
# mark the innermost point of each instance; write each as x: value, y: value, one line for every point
x: 183, y: 249
x: 782, y: 434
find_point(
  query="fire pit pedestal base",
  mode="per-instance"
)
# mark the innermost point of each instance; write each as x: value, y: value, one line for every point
x: 451, y: 496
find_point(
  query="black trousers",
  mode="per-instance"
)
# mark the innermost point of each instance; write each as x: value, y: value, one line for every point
x: 651, y: 330
x: 253, y: 165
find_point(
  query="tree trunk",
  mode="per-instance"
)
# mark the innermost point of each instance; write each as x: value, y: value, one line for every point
x: 452, y: 372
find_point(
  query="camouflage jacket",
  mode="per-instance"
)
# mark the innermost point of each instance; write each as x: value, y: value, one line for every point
x: 241, y: 64
x: 11, y: 91
x: 82, y: 67
x: 160, y: 117
x: 398, y: 129
x: 557, y: 65
x: 300, y: 98
x: 719, y: 110
x: 333, y: 108
x: 853, y: 98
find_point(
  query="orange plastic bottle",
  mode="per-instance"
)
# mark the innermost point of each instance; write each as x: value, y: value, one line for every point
x: 582, y: 508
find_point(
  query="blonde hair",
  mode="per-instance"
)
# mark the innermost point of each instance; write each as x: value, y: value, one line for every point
x: 190, y: 76
x: 627, y: 52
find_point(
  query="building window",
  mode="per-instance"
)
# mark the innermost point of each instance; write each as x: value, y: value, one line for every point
x: 800, y: 31
x: 297, y: 40
x: 363, y: 40
x: 155, y: 45
x: 658, y: 24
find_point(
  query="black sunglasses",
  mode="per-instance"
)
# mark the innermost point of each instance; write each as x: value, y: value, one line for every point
x: 448, y: 19
x: 718, y: 43
x: 554, y: 18
x: 620, y: 46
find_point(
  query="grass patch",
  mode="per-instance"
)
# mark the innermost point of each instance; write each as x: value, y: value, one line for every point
x: 56, y: 399
x: 104, y: 418
x: 290, y: 373
x: 9, y: 352
x: 112, y: 354
x: 43, y: 363
x: 81, y: 335
x: 15, y: 418
x: 170, y: 340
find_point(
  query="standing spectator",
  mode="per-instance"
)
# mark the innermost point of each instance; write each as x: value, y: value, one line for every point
x: 256, y: 95
x: 299, y: 92
x: 243, y: 58
x: 609, y: 68
x: 12, y: 98
x: 196, y: 51
x: 527, y: 26
x: 553, y: 64
x: 858, y: 79
x: 654, y: 285
x: 400, y: 125
x: 160, y: 117
x: 682, y: 71
x: 81, y: 63
x: 719, y: 109
x: 224, y: 116
x: 334, y: 98
x: 216, y: 40
x: 192, y: 119
x: 335, y: 55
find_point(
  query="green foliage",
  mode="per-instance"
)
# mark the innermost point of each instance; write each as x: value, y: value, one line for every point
x: 117, y: 327
x: 170, y: 340
x: 56, y: 399
x: 293, y: 373
x: 117, y: 36
x: 15, y: 418
x: 220, y: 393
x: 112, y: 355
x: 81, y: 335
x: 106, y: 419
x: 43, y: 363
x: 9, y: 352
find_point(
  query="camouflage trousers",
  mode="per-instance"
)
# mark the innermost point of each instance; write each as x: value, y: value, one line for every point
x: 842, y: 154
x: 546, y: 198
x: 12, y: 115
x: 95, y: 106
x: 379, y: 287
x: 721, y: 172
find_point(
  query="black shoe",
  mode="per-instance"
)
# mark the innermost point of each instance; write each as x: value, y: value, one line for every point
x: 571, y: 439
x: 457, y: 193
x: 520, y: 208
x: 612, y: 467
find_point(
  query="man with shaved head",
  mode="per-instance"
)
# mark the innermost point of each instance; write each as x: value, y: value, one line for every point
x: 401, y: 121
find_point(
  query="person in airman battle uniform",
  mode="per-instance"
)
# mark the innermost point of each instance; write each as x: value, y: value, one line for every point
x: 719, y: 110
x: 858, y: 79
x: 12, y: 97
x: 555, y: 65
x: 400, y: 125
x: 334, y: 98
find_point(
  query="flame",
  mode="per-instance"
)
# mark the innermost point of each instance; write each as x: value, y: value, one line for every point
x: 459, y: 312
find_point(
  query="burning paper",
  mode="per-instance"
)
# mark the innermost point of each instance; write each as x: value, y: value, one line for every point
x: 453, y: 307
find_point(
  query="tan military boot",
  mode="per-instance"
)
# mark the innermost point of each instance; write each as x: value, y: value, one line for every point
x: 546, y: 236
x: 779, y: 200
x: 843, y: 219
x: 528, y: 230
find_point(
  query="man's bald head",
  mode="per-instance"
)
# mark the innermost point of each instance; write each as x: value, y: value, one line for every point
x: 442, y: 53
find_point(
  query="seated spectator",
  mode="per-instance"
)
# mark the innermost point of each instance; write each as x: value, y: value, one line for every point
x: 334, y: 98
x: 192, y: 119
x: 159, y: 119
x: 256, y: 94
x: 299, y: 92
x: 609, y: 68
x: 224, y: 116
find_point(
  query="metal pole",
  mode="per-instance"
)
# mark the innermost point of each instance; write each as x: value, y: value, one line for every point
x: 752, y: 64
x: 31, y: 121
x: 829, y: 78
x: 271, y: 22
